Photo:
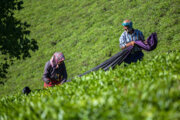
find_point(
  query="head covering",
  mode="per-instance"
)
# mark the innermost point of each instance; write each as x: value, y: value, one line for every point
x: 57, y: 57
x: 127, y: 23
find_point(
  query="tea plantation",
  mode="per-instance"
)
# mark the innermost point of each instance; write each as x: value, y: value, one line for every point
x: 87, y: 32
x: 146, y: 90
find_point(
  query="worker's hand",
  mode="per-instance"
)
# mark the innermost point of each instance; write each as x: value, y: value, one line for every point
x: 145, y: 42
x: 48, y: 81
x: 132, y: 43
x: 129, y: 44
x: 63, y: 81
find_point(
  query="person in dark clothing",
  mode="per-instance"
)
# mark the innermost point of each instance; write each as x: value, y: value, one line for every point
x: 128, y: 38
x: 55, y: 71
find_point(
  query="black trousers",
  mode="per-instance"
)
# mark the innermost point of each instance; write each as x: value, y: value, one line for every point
x: 134, y: 57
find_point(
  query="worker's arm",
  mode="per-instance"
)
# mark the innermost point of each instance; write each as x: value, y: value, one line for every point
x: 45, y: 77
x: 122, y: 41
x: 128, y: 44
x: 64, y: 73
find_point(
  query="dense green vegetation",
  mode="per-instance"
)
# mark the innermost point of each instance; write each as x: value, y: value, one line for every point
x: 88, y: 32
x: 146, y: 90
x: 13, y: 36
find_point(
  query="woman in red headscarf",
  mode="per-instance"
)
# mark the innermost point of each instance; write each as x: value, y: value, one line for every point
x: 55, y: 71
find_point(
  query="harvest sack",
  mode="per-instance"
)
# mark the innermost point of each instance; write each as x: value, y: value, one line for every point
x: 151, y: 43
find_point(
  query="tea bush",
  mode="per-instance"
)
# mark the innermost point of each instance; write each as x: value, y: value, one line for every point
x: 146, y: 90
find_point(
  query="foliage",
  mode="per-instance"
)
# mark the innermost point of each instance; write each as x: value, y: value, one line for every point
x: 87, y: 32
x: 14, y: 42
x: 148, y: 90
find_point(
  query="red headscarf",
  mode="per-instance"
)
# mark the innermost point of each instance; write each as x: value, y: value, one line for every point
x: 57, y: 57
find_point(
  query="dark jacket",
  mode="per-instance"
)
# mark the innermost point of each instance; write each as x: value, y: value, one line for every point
x: 53, y: 74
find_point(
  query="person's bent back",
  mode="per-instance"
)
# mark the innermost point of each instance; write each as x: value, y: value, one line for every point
x: 55, y: 71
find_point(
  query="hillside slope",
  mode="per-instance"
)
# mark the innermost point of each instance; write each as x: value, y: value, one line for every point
x: 87, y: 32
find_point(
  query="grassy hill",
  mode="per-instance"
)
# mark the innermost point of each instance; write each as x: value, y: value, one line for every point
x: 88, y: 32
